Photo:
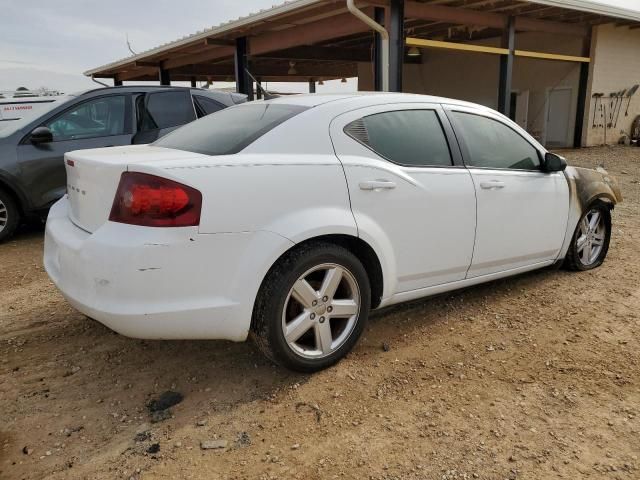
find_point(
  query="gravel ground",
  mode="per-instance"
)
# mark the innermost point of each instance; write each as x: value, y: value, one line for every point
x: 533, y: 377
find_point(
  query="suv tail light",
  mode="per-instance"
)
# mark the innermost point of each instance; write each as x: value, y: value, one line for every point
x: 150, y: 201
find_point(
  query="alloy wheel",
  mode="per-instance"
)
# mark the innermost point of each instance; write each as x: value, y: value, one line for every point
x: 590, y: 241
x: 4, y: 216
x: 321, y: 311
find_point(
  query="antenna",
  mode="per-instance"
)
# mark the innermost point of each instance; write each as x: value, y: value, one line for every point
x: 129, y: 45
x: 267, y: 95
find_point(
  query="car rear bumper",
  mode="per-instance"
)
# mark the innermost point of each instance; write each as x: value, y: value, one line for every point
x: 159, y: 283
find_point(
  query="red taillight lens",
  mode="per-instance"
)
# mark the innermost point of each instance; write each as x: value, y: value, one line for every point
x: 151, y: 201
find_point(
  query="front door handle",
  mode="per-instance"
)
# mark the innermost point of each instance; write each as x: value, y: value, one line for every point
x: 377, y: 185
x: 492, y: 185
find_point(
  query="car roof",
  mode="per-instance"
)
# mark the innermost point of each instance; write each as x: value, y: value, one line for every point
x: 146, y: 88
x: 369, y: 98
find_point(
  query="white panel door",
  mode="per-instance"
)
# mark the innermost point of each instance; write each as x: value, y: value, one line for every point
x: 421, y: 216
x: 558, y: 113
x: 522, y: 109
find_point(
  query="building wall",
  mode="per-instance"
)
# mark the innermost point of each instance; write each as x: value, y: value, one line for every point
x: 615, y: 66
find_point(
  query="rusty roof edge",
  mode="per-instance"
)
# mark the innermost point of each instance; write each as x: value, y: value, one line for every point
x: 225, y: 27
x: 593, y: 7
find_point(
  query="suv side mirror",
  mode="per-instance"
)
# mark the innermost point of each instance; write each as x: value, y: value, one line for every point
x: 554, y: 163
x: 41, y: 135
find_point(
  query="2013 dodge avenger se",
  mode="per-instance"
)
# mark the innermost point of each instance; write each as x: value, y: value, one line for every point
x: 290, y: 219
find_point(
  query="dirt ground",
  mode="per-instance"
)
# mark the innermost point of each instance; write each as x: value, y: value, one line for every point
x: 533, y: 377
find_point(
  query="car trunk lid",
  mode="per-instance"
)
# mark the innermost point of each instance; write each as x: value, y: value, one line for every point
x: 93, y: 177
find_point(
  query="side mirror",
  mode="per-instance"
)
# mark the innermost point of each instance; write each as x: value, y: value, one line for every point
x: 41, y: 135
x: 554, y: 163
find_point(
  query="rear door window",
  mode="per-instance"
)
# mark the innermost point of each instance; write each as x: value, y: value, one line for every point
x: 206, y: 106
x: 412, y: 138
x: 230, y: 130
x: 165, y: 110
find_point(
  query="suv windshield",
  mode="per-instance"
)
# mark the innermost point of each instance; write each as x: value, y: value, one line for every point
x: 231, y: 130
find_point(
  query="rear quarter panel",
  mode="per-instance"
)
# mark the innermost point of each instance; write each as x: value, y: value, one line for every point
x: 277, y: 202
x: 295, y: 196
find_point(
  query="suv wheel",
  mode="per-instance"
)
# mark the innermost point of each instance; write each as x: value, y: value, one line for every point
x: 9, y: 216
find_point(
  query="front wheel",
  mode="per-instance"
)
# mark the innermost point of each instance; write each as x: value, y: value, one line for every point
x: 590, y: 242
x: 312, y: 307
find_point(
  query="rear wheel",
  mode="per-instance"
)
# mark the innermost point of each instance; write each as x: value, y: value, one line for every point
x: 590, y: 242
x: 312, y: 307
x: 9, y: 216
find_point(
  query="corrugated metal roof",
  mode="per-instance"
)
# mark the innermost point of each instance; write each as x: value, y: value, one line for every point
x: 599, y: 8
x: 291, y: 5
x: 220, y: 29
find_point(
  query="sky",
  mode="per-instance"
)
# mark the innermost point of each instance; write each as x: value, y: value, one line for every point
x: 50, y: 43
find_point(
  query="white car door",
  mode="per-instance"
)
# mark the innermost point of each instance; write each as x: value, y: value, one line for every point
x: 522, y: 210
x: 410, y: 194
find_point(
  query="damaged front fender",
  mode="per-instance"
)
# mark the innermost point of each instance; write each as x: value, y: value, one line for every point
x: 585, y: 187
x: 588, y: 185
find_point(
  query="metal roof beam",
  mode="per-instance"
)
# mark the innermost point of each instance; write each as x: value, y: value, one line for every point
x: 325, y: 29
x: 424, y: 11
x: 133, y: 74
x: 318, y: 53
x: 301, y: 70
x: 460, y: 16
x: 534, y: 25
x: 201, y: 57
x: 219, y: 42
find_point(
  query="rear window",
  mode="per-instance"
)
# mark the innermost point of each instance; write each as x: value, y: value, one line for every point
x: 231, y: 130
x: 413, y: 138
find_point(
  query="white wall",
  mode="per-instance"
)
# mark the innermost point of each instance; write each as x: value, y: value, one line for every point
x: 615, y: 66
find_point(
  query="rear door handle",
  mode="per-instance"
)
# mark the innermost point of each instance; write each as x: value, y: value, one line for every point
x: 377, y: 185
x: 492, y: 185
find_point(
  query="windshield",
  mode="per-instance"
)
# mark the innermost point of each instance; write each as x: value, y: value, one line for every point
x: 231, y: 130
x: 11, y: 126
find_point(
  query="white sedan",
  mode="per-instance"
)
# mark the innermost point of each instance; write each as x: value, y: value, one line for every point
x: 291, y: 219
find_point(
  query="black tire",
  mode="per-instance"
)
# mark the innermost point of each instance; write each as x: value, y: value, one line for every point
x: 267, y: 322
x: 9, y: 216
x: 573, y: 260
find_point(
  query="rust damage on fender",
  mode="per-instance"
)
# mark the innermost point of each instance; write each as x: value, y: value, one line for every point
x: 588, y: 185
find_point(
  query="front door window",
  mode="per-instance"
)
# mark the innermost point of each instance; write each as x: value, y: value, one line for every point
x: 100, y: 117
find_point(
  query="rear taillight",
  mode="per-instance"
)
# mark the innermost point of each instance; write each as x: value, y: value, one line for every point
x: 150, y: 201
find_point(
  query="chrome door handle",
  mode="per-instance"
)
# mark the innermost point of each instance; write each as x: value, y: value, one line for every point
x: 492, y: 185
x: 377, y: 185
